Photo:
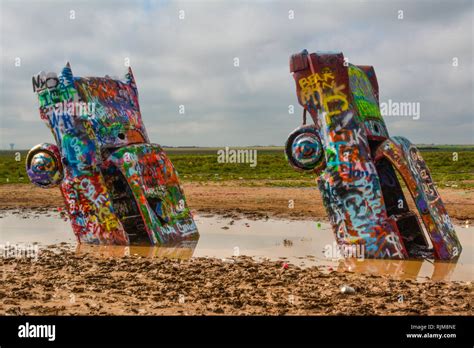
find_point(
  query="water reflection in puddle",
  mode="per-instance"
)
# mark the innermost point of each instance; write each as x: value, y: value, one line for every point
x: 299, y: 242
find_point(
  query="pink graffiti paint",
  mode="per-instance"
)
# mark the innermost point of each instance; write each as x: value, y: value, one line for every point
x: 349, y: 147
x: 118, y: 187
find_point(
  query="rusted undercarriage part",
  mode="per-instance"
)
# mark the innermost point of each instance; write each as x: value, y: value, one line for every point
x: 349, y: 147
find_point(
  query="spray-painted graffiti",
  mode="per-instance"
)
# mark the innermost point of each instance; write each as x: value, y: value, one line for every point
x: 406, y: 158
x: 363, y: 94
x: 356, y: 161
x: 118, y: 187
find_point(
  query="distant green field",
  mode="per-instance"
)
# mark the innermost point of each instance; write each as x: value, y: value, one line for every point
x: 272, y: 169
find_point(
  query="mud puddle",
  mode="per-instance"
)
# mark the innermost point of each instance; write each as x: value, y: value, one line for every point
x: 302, y: 243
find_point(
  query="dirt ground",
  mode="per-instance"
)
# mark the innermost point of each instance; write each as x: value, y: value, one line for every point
x: 230, y: 197
x: 61, y: 282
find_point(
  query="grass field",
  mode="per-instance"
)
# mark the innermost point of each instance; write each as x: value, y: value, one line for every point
x: 272, y: 169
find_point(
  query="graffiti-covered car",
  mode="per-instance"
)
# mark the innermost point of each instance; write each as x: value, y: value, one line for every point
x: 118, y: 187
x: 348, y: 146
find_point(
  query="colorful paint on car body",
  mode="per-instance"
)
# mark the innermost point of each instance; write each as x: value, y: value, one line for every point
x: 357, y: 178
x: 118, y: 187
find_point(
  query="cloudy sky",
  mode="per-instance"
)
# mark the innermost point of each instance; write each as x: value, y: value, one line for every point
x: 190, y: 62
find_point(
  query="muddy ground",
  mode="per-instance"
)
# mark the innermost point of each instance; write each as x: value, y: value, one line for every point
x: 231, y: 197
x: 61, y: 282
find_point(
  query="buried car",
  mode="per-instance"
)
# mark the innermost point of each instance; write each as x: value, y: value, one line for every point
x: 349, y: 148
x: 117, y: 186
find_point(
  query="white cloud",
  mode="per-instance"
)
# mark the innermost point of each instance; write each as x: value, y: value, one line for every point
x: 190, y: 62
